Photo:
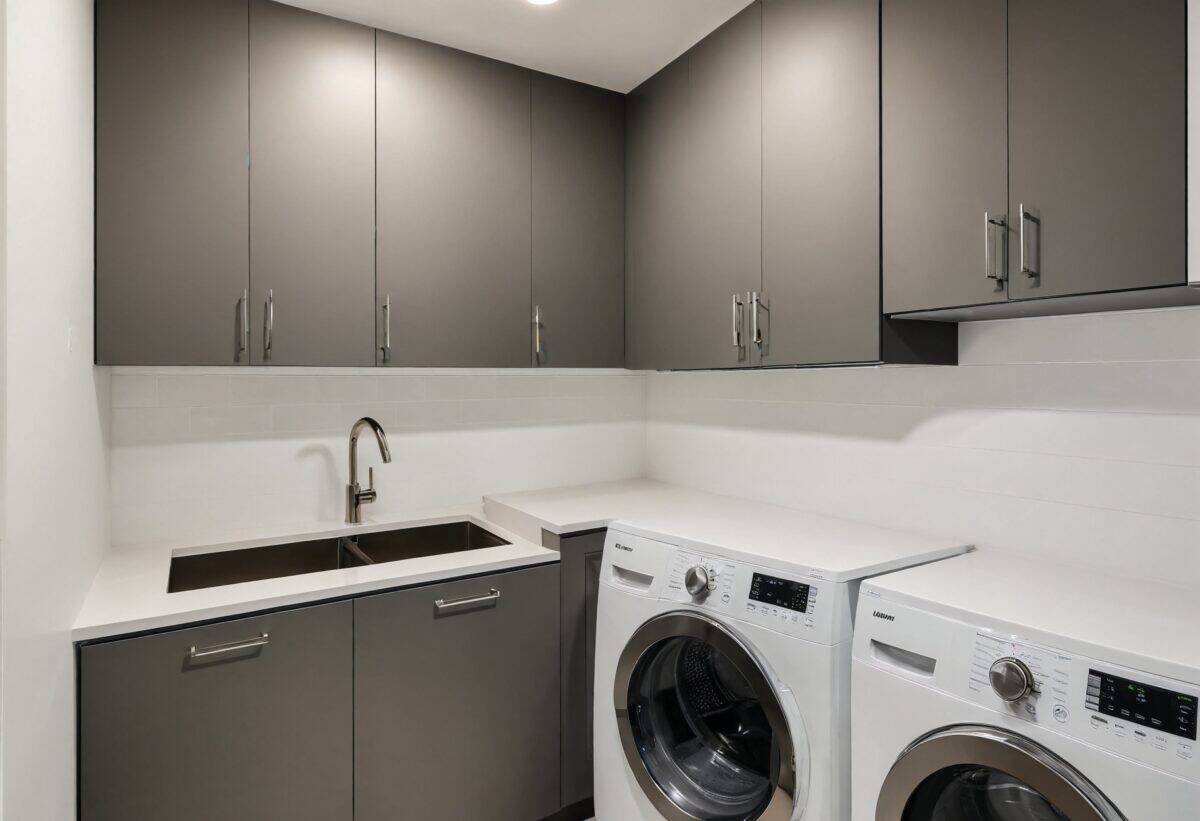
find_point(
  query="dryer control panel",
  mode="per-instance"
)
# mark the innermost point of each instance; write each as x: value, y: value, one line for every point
x: 790, y: 603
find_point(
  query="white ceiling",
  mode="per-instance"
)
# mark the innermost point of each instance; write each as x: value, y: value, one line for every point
x: 611, y: 43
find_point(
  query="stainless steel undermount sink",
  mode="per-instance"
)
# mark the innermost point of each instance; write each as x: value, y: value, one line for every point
x: 201, y: 570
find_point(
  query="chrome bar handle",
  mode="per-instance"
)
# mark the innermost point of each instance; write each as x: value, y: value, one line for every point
x: 260, y: 640
x: 1032, y: 273
x: 997, y: 270
x: 268, y: 323
x: 738, y: 320
x: 760, y: 330
x: 243, y: 331
x: 386, y: 347
x: 447, y: 605
x: 538, y: 350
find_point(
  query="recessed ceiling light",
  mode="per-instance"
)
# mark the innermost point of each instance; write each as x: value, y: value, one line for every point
x: 542, y: 2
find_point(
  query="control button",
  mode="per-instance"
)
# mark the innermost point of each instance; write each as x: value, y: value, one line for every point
x: 750, y: 608
x: 1099, y: 723
x: 809, y: 622
x: 1160, y: 742
x: 1031, y: 708
x: 1093, y: 690
x: 1120, y: 730
x: 725, y: 598
x: 698, y: 581
x: 1184, y: 751
x: 1061, y: 713
x: 1011, y: 679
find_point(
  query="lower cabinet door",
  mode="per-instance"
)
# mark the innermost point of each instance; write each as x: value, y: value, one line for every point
x: 456, y: 693
x: 245, y: 720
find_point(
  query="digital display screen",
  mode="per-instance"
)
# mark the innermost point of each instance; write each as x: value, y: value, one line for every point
x: 1152, y: 707
x: 779, y: 592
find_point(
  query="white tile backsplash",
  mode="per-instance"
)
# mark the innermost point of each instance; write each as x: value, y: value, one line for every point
x: 210, y: 454
x: 1077, y: 437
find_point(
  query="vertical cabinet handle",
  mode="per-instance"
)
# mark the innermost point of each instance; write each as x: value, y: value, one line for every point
x: 386, y: 347
x: 738, y: 321
x: 538, y: 350
x: 268, y: 323
x: 995, y: 265
x: 760, y: 321
x: 243, y: 323
x: 1026, y: 268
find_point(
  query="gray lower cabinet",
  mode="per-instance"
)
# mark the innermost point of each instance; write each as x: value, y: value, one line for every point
x: 454, y: 193
x: 1098, y: 145
x: 312, y: 188
x: 171, y: 211
x: 456, y: 698
x: 183, y: 726
x: 580, y: 555
x: 578, y: 134
x: 820, y: 243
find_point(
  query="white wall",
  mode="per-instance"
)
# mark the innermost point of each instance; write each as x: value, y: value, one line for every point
x: 208, y: 456
x: 1077, y: 437
x: 55, y: 472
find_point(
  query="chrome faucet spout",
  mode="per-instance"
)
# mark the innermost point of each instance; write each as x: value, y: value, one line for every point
x: 355, y: 496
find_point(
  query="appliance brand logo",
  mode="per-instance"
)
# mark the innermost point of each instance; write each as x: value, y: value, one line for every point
x: 879, y: 614
x: 620, y: 546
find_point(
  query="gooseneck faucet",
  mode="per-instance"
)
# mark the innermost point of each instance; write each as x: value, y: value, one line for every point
x: 355, y: 496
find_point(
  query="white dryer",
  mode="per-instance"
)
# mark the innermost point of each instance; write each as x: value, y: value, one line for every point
x: 722, y: 672
x: 998, y: 687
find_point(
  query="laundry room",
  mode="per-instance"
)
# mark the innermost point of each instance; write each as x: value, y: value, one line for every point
x: 599, y: 410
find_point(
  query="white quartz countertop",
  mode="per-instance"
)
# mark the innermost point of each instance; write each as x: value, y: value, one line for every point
x: 129, y: 594
x: 831, y: 548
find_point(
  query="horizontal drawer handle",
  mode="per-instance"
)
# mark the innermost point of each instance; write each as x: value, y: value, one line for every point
x: 490, y: 597
x: 229, y: 646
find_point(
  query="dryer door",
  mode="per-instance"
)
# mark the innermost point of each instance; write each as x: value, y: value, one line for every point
x: 979, y: 773
x: 702, y: 724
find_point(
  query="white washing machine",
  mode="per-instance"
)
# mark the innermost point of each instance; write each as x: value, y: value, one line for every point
x: 998, y: 687
x: 722, y: 673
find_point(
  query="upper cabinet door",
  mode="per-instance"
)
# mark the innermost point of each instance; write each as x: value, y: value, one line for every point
x: 171, y: 213
x: 454, y: 196
x: 1098, y: 119
x: 944, y: 153
x: 656, y: 226
x: 312, y: 187
x: 695, y: 202
x: 821, y: 180
x: 724, y: 193
x: 578, y: 224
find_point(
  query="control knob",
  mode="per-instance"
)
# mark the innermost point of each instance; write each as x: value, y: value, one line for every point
x: 699, y: 580
x: 1011, y: 679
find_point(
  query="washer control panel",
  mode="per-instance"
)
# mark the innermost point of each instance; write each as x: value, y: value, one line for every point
x: 790, y: 603
x: 1138, y: 715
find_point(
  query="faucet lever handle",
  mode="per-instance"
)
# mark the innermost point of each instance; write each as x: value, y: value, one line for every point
x: 370, y: 478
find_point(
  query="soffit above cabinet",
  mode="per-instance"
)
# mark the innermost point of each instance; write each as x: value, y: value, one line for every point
x: 614, y: 44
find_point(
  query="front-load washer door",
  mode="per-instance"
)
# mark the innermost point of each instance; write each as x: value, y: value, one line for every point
x: 980, y: 773
x: 702, y: 725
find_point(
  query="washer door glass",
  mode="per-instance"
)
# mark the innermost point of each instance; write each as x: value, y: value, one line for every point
x: 700, y: 730
x: 971, y: 793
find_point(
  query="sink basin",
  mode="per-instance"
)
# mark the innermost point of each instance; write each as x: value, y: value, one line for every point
x: 201, y: 570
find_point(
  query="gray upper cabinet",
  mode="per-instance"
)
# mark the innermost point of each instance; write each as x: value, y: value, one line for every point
x: 578, y: 154
x: 454, y: 195
x: 456, y: 699
x: 944, y: 152
x: 246, y: 719
x: 171, y: 211
x: 694, y: 202
x: 1098, y: 131
x: 312, y: 187
x: 820, y: 243
x: 656, y: 239
x: 724, y: 201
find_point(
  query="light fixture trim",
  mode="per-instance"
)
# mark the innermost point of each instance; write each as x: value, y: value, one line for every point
x: 541, y: 2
